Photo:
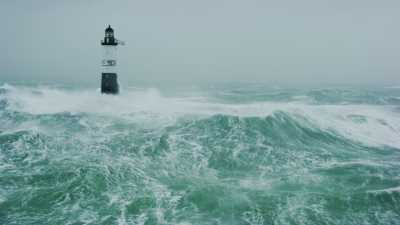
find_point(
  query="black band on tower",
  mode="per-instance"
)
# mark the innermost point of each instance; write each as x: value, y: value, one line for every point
x: 109, y: 83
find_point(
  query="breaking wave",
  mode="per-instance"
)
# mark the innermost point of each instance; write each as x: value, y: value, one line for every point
x: 230, y: 156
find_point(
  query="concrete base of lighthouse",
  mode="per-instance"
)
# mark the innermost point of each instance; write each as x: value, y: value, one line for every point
x: 109, y: 83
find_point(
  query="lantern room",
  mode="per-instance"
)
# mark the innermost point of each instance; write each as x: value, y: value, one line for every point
x: 109, y: 38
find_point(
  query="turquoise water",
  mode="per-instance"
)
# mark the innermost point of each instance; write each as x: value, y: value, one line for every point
x: 238, y: 154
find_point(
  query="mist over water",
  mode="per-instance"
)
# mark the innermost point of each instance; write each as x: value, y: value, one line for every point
x: 230, y: 113
x: 233, y: 154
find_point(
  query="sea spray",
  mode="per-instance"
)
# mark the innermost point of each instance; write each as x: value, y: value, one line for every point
x: 230, y: 155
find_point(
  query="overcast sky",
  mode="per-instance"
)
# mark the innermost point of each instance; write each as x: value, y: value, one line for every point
x: 294, y: 42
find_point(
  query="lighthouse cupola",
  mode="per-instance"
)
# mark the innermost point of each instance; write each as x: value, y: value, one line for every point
x: 109, y: 37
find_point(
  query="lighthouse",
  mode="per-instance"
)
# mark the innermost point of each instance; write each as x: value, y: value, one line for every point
x: 109, y: 79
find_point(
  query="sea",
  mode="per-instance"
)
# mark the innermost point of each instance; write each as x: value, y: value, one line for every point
x: 237, y: 154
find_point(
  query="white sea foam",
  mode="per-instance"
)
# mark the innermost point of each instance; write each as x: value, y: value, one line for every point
x: 128, y: 178
x: 380, y: 125
x: 387, y: 190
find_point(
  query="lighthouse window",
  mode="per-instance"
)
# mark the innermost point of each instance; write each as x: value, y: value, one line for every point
x: 109, y: 62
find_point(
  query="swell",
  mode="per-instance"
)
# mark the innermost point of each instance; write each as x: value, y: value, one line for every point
x: 373, y: 124
x: 277, y: 169
x: 204, y: 163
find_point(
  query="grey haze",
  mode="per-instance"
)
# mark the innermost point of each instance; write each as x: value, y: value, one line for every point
x: 309, y: 42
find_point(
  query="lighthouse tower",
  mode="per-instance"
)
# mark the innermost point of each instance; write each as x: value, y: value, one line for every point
x: 109, y: 82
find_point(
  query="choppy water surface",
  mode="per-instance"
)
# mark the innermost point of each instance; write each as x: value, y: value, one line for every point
x: 222, y: 155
